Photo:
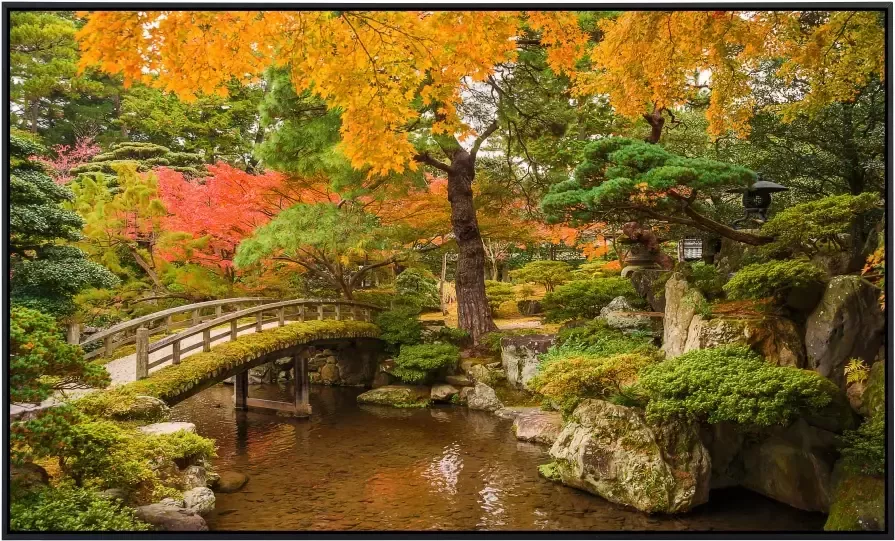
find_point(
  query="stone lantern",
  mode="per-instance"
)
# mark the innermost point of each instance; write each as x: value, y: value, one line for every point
x: 756, y: 201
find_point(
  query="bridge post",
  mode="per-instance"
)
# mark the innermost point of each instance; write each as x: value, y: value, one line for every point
x: 196, y: 317
x: 241, y: 390
x: 259, y: 321
x: 107, y: 343
x: 281, y: 316
x: 320, y: 312
x: 175, y: 352
x: 338, y: 312
x: 233, y: 330
x: 302, y: 383
x: 217, y: 311
x: 301, y: 313
x: 74, y: 333
x: 142, y: 353
x: 206, y: 340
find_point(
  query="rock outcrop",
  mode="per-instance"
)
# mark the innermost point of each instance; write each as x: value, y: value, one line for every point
x: 611, y: 451
x: 481, y: 397
x: 778, y: 340
x: 846, y: 324
x: 619, y: 314
x: 538, y: 426
x: 442, y: 392
x: 681, y: 301
x: 144, y: 408
x: 161, y: 429
x: 647, y: 283
x: 859, y: 502
x: 398, y: 396
x: 199, y: 500
x: 230, y: 481
x: 519, y: 356
x: 168, y: 518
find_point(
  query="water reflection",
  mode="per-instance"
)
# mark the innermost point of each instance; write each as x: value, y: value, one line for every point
x: 377, y: 468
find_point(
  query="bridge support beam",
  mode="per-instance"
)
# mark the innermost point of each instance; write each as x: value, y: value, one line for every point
x: 241, y: 390
x: 300, y: 406
x: 302, y: 382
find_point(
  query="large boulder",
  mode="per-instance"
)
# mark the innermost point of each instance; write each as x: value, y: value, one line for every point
x: 168, y: 518
x: 648, y: 284
x: 329, y: 373
x: 519, y: 356
x: 482, y: 397
x: 681, y: 301
x: 144, y: 408
x: 776, y: 339
x: 724, y: 442
x: 846, y: 324
x: 619, y: 314
x: 538, y: 426
x: 873, y: 402
x: 28, y: 475
x: 612, y: 451
x: 481, y: 374
x: 398, y: 396
x: 459, y: 380
x: 194, y: 477
x: 161, y: 429
x: 199, y: 500
x: 859, y: 502
x: 792, y: 465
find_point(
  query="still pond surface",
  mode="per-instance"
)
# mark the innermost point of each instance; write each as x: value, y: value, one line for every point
x: 352, y: 467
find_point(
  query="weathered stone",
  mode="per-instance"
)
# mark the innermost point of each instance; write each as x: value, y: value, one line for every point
x: 724, y: 442
x: 230, y: 481
x: 611, y: 451
x: 776, y: 339
x: 530, y: 307
x: 459, y: 380
x: 211, y: 478
x: 144, y: 408
x: 482, y: 397
x: 846, y: 324
x: 648, y: 284
x: 464, y: 394
x: 519, y: 356
x: 792, y: 465
x: 442, y: 392
x: 167, y: 518
x: 538, y: 426
x: 28, y: 475
x: 161, y: 429
x: 511, y: 412
x: 855, y: 394
x: 859, y: 502
x: 381, y: 379
x: 173, y: 502
x: 680, y: 307
x: 617, y: 314
x: 194, y: 476
x: 329, y: 374
x: 114, y: 494
x: 480, y: 373
x: 874, y: 399
x: 399, y: 396
x: 199, y: 500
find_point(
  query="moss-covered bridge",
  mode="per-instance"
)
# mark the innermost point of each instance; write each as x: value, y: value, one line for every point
x: 219, y: 345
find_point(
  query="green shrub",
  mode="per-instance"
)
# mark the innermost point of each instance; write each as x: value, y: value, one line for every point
x: 497, y: 294
x: 731, y: 383
x: 568, y: 376
x: 448, y: 335
x: 67, y: 509
x: 420, y: 287
x: 599, y: 339
x: 418, y: 364
x: 583, y: 299
x: 376, y: 297
x: 816, y: 226
x: 772, y: 279
x: 864, y: 449
x: 706, y: 279
x: 548, y: 273
x: 40, y: 360
x: 400, y: 326
x: 596, y: 269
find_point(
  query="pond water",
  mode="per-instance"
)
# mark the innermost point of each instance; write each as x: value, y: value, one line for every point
x: 352, y: 467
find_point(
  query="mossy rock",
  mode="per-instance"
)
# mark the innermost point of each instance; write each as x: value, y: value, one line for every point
x: 875, y: 392
x: 859, y: 504
x: 397, y: 396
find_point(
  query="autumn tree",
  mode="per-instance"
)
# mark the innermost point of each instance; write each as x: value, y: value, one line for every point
x: 398, y: 78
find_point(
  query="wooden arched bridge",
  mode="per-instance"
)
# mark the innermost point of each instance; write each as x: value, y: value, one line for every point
x: 198, y: 327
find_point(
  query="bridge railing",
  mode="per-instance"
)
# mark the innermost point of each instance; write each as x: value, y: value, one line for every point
x: 157, y: 322
x: 258, y: 316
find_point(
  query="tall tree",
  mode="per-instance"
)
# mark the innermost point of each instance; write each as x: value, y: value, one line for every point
x: 392, y: 74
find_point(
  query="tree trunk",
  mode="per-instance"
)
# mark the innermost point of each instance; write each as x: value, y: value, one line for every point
x: 441, y: 284
x: 473, y: 312
x: 656, y: 122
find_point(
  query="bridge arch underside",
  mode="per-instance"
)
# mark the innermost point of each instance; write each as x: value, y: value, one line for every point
x: 364, y: 353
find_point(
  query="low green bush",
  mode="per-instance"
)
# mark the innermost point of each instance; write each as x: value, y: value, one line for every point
x: 731, y: 383
x: 399, y: 326
x: 419, y: 287
x: 706, y: 279
x: 497, y: 294
x: 566, y: 377
x: 585, y: 298
x: 69, y: 509
x: 448, y: 335
x: 599, y: 339
x: 418, y: 364
x: 864, y: 449
x: 547, y: 273
x: 376, y: 297
x: 773, y: 279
